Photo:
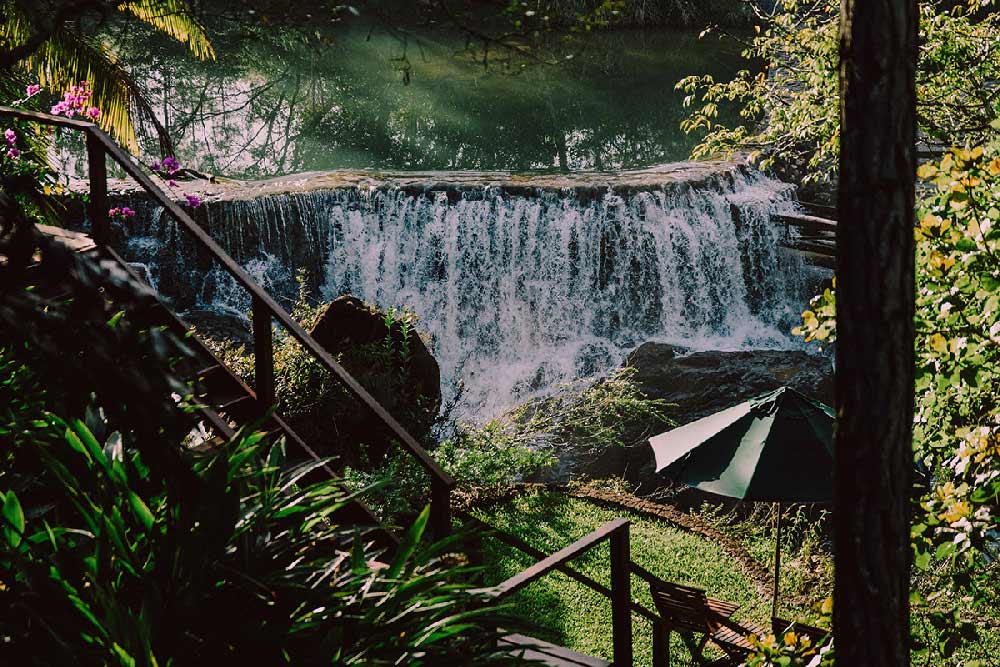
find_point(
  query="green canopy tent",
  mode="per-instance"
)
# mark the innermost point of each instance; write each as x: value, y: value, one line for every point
x: 777, y: 447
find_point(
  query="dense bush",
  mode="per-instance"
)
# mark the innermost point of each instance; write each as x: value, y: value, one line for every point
x: 118, y: 546
x: 519, y: 445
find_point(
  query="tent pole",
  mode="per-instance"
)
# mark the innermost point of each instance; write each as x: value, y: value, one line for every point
x: 777, y: 562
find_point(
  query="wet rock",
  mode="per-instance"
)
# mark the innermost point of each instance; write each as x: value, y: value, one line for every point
x: 347, y: 322
x: 220, y: 326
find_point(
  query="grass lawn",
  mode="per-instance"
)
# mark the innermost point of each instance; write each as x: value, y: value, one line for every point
x: 572, y: 615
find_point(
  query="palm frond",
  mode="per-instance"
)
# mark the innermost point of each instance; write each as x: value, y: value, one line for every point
x: 174, y: 18
x: 69, y: 57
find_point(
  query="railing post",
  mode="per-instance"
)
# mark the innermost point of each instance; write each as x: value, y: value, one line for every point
x: 97, y: 207
x: 263, y: 353
x: 661, y: 643
x: 440, y: 509
x: 621, y: 597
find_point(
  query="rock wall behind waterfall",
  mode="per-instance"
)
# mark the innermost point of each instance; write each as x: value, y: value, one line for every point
x: 519, y: 291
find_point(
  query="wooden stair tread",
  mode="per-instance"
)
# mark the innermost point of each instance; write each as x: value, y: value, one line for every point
x: 548, y: 653
x: 76, y: 241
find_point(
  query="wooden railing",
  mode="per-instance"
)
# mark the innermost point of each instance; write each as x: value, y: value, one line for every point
x: 265, y: 310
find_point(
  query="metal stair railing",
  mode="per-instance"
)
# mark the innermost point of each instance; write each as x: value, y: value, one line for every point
x: 265, y: 310
x: 616, y: 533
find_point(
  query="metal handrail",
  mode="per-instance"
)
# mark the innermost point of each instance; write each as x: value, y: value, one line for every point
x: 616, y: 532
x: 562, y: 568
x: 99, y: 145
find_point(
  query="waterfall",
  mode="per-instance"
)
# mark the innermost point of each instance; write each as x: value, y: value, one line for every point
x: 518, y: 291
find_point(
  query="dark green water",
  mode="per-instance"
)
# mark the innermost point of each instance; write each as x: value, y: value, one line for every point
x: 276, y: 105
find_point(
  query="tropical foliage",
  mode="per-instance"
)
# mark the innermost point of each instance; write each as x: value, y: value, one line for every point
x: 57, y: 41
x: 121, y: 546
x: 105, y: 560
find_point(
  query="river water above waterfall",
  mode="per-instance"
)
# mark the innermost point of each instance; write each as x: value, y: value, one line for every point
x: 518, y: 289
x: 367, y: 98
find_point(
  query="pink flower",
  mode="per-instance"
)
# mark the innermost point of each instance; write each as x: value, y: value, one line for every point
x: 13, y: 153
x: 63, y: 108
x: 33, y: 90
x: 11, y: 136
x: 172, y: 183
x: 171, y: 165
x: 93, y: 113
x: 123, y: 212
x: 193, y: 200
x: 155, y: 166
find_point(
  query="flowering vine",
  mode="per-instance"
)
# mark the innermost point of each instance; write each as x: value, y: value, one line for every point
x: 75, y: 101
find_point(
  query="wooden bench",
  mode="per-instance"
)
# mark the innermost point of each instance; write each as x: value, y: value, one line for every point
x: 689, y: 610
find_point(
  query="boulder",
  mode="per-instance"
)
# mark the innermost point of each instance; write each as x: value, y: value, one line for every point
x: 391, y: 361
x: 700, y: 383
x: 347, y: 323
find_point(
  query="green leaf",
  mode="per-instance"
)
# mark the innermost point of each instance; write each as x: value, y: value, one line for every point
x: 945, y: 550
x: 141, y: 511
x: 409, y: 543
x: 13, y: 518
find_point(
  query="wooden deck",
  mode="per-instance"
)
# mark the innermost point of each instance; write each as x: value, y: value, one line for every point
x: 549, y: 654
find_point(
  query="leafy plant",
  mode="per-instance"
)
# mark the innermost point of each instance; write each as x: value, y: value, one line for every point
x: 958, y: 368
x: 789, y: 108
x: 251, y: 567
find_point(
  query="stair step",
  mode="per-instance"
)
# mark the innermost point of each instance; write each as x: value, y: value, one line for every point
x: 229, y: 403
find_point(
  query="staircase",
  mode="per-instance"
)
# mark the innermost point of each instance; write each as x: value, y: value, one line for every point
x: 227, y: 404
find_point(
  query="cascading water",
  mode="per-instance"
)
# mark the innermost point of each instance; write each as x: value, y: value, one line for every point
x: 518, y: 292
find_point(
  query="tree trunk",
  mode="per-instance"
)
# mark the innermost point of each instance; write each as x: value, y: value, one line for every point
x: 875, y: 307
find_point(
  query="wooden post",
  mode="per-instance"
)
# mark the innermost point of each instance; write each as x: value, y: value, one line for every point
x: 97, y: 206
x: 661, y: 644
x: 263, y: 350
x: 621, y: 597
x: 440, y: 509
